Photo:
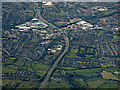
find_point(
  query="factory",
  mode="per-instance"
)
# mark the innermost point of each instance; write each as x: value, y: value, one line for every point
x: 47, y: 3
x: 33, y: 24
x: 84, y: 24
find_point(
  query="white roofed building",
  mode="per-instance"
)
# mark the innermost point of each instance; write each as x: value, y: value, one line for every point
x: 48, y: 3
x: 22, y: 27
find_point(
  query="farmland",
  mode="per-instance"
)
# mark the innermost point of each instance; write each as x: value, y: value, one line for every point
x: 108, y: 75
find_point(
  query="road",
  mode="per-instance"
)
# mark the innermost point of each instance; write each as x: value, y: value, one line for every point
x: 43, y: 20
x: 55, y: 63
x: 60, y: 56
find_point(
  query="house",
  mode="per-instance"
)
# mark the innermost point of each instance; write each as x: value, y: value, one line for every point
x: 59, y: 47
x: 116, y: 72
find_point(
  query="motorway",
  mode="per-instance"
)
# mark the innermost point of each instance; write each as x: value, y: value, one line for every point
x: 43, y: 20
x: 55, y: 63
x: 60, y: 56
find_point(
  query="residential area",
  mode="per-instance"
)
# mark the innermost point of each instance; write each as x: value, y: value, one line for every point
x: 61, y: 45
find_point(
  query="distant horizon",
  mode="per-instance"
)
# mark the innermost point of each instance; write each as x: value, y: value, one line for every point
x: 60, y: 0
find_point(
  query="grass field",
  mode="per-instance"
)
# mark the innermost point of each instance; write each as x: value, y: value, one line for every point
x: 8, y: 62
x: 74, y: 51
x: 115, y: 38
x: 95, y: 83
x: 12, y: 67
x: 4, y: 38
x: 108, y: 75
x: 79, y: 62
x: 112, y: 70
x: 26, y: 64
x: 107, y: 12
x: 40, y: 68
x: 30, y: 69
x: 57, y: 84
x: 101, y: 32
x: 25, y: 84
x: 73, y: 54
x: 56, y: 74
x: 68, y: 68
x: 80, y: 81
x: 4, y: 82
x: 23, y: 68
x: 34, y: 40
x: 61, y: 13
x: 19, y: 63
x: 12, y: 58
x: 91, y: 70
x: 15, y: 40
x: 57, y: 53
x: 29, y: 12
x: 41, y: 73
x: 85, y: 72
x: 109, y: 85
x: 6, y: 69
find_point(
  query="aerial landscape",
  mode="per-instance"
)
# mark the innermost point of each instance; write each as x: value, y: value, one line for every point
x: 60, y: 45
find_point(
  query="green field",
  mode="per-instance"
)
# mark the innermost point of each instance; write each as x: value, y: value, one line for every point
x: 39, y: 68
x: 56, y: 74
x: 85, y: 72
x: 68, y: 68
x: 109, y: 85
x: 80, y: 81
x: 4, y: 38
x: 29, y: 12
x: 73, y: 54
x: 115, y: 38
x: 15, y: 40
x: 8, y: 62
x: 12, y: 67
x: 30, y: 69
x: 95, y: 83
x: 57, y: 84
x: 79, y: 62
x: 107, y: 12
x: 101, y: 32
x: 61, y: 13
x: 6, y: 69
x: 34, y: 40
x: 25, y: 84
x: 12, y: 58
x: 112, y: 70
x: 4, y: 82
x: 108, y: 75
x: 57, y: 53
x: 41, y: 73
x: 22, y: 68
x: 19, y: 63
